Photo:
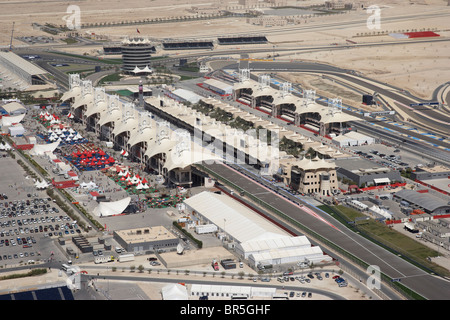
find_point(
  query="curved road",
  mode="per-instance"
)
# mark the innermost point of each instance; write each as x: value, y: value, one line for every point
x: 429, y: 286
x: 438, y: 120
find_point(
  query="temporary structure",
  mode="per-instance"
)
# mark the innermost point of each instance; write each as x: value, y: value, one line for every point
x: 174, y: 292
x: 105, y: 209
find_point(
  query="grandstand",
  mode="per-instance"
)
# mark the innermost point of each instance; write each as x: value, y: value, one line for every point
x: 188, y: 45
x: 242, y: 40
x: 112, y: 49
x: 57, y: 293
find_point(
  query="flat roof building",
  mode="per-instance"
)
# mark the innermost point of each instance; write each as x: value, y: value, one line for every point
x: 146, y: 239
x: 428, y: 173
x: 29, y: 72
x: 220, y: 87
x: 365, y: 172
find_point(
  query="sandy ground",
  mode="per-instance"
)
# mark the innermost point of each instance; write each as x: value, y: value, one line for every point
x: 418, y: 68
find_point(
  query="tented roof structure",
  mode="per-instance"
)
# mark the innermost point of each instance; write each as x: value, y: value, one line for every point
x: 174, y: 292
x: 187, y: 157
x: 105, y: 209
x: 8, y: 121
x: 41, y: 184
x: 235, y: 219
x: 137, y: 136
x: 40, y: 149
x: 5, y: 146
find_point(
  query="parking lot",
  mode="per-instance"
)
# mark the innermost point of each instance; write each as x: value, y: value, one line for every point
x: 29, y: 219
x: 391, y: 157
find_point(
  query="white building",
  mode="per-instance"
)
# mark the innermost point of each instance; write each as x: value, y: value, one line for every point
x: 225, y: 291
x: 184, y: 95
x: 255, y: 239
x: 220, y: 87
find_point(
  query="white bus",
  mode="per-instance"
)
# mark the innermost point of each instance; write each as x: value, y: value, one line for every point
x: 65, y: 267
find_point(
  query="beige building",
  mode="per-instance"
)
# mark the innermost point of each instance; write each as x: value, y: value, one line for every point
x: 310, y: 175
x: 146, y: 239
x: 267, y: 21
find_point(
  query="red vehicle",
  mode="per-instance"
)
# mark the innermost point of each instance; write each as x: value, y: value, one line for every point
x: 215, y: 265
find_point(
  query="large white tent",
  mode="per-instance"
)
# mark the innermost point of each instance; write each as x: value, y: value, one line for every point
x: 174, y: 291
x: 239, y: 222
x: 5, y: 146
x: 256, y: 239
x: 105, y: 209
x: 41, y: 184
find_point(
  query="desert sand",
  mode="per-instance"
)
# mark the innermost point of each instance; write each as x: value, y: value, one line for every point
x: 419, y: 68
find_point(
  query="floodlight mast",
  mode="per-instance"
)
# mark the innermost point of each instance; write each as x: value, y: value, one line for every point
x: 12, y: 33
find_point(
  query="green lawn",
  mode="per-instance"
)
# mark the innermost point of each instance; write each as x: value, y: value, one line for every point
x: 110, y: 78
x: 391, y: 238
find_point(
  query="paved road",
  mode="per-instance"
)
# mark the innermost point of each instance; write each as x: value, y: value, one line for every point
x: 438, y: 120
x: 188, y: 281
x: 343, y: 73
x: 431, y: 287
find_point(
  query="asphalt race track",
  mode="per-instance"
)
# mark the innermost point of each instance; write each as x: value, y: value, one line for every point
x: 429, y: 286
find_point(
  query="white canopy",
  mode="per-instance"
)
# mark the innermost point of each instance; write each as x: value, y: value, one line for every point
x: 41, y: 184
x: 5, y: 146
x: 174, y: 292
x: 40, y: 149
x: 105, y: 209
x: 9, y: 120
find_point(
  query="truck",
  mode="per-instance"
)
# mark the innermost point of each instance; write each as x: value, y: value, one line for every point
x: 103, y: 259
x: 215, y: 265
x: 228, y: 264
x: 126, y: 257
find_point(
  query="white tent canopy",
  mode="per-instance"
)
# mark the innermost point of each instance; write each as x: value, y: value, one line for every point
x: 105, y: 209
x: 5, y: 146
x: 8, y: 121
x: 174, y: 292
x: 41, y: 184
x: 40, y: 149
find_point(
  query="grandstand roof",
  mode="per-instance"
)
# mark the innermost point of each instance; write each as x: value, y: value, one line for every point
x: 338, y: 116
x: 146, y: 135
